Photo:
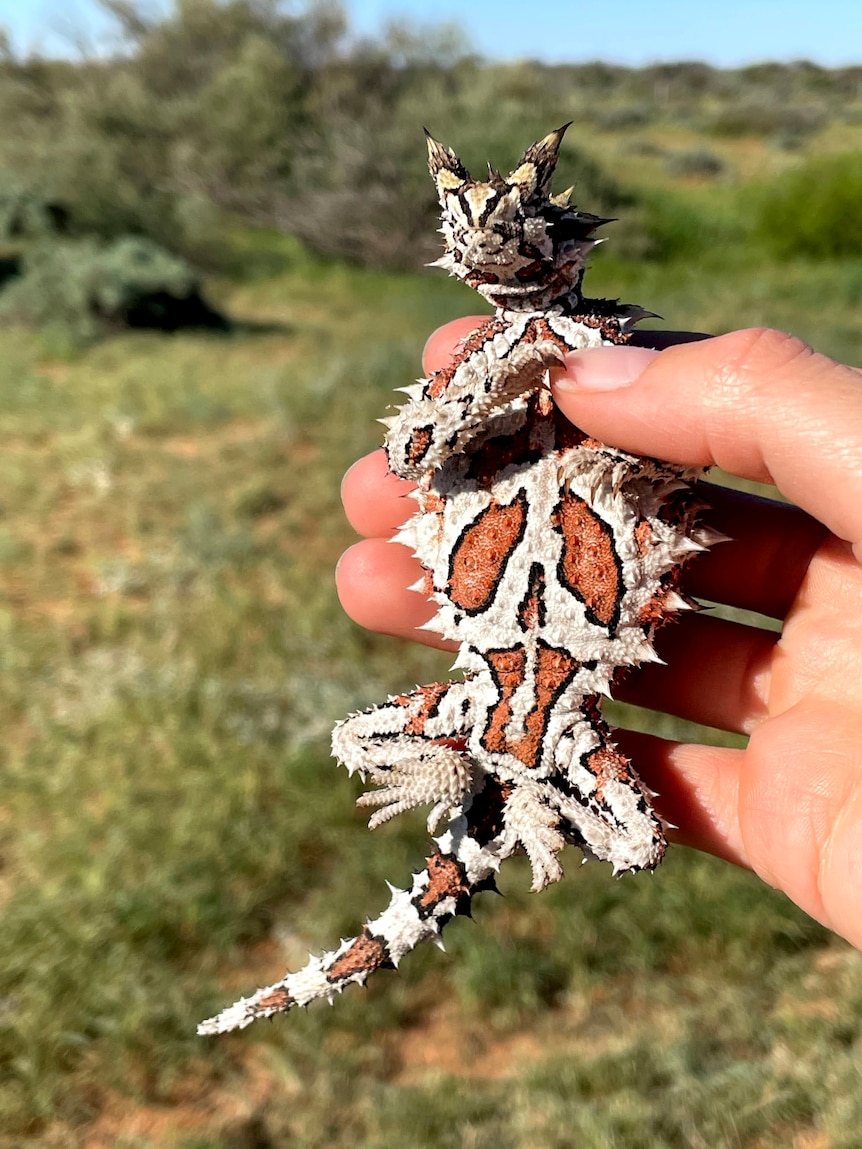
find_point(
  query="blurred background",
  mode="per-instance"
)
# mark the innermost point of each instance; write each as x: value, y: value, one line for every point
x: 214, y: 218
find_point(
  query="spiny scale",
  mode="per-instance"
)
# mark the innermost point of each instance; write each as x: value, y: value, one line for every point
x: 552, y: 559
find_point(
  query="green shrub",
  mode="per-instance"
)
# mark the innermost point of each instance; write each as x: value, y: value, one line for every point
x: 87, y: 287
x: 695, y: 162
x: 814, y: 211
x: 765, y: 118
x: 621, y: 118
x: 674, y: 229
x: 26, y: 213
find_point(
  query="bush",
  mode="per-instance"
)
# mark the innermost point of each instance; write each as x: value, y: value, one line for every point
x: 364, y: 194
x: 765, y: 118
x: 26, y: 213
x: 87, y: 287
x: 675, y: 229
x: 696, y: 162
x: 814, y: 211
x: 200, y: 107
x: 621, y: 118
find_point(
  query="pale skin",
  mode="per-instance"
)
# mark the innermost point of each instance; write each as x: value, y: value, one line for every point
x: 764, y: 406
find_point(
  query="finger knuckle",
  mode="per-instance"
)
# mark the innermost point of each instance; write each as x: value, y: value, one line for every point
x: 757, y: 357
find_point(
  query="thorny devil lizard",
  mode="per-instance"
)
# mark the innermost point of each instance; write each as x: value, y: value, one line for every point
x: 552, y: 558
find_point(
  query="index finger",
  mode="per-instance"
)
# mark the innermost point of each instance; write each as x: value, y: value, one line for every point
x: 443, y: 342
x: 758, y: 403
x: 375, y: 501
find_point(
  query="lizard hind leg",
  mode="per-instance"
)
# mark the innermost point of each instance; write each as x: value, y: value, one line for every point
x: 412, y: 749
x: 607, y: 807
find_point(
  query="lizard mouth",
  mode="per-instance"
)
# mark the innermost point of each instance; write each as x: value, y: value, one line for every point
x: 487, y: 249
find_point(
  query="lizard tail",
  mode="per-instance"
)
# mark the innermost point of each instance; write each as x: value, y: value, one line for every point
x: 463, y: 863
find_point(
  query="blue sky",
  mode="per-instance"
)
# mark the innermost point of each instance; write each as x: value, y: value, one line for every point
x: 723, y: 32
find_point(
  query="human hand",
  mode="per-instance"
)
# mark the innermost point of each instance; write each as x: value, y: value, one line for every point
x: 762, y: 406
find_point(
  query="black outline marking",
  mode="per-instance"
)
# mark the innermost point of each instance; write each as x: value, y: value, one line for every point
x: 409, y: 460
x: 493, y: 202
x: 535, y: 589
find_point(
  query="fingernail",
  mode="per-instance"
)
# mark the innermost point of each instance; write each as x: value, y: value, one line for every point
x: 602, y: 368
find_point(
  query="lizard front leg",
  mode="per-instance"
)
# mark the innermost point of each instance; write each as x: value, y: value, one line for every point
x: 502, y: 360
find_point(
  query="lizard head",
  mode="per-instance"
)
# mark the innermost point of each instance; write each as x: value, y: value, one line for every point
x: 508, y: 237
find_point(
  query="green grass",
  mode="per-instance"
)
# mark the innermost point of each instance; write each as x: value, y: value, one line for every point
x: 172, y: 830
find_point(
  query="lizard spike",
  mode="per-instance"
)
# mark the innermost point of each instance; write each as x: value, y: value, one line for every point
x: 535, y: 169
x: 676, y: 602
x: 447, y: 171
x: 709, y: 536
x: 413, y: 390
x: 630, y: 314
x: 488, y: 885
x: 591, y: 222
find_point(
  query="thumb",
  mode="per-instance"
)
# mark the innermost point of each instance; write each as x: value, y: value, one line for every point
x: 758, y: 403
